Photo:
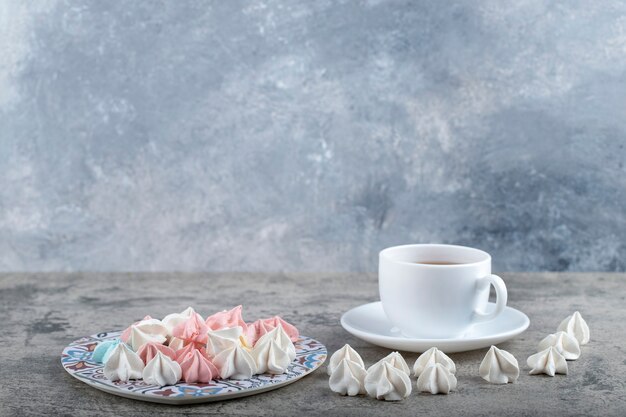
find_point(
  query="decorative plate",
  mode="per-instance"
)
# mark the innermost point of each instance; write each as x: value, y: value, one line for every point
x: 76, y: 359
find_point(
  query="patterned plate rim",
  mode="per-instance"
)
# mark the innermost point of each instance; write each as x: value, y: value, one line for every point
x: 76, y: 360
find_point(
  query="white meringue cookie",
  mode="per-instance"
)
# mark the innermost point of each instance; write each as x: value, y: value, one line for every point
x: 566, y: 344
x: 397, y: 361
x: 279, y: 335
x: 270, y: 357
x: 235, y: 362
x: 548, y: 361
x: 575, y: 326
x: 139, y: 336
x: 123, y: 364
x: 161, y: 371
x: 387, y: 380
x: 172, y: 320
x: 436, y: 379
x: 499, y: 367
x: 223, y: 339
x: 431, y: 357
x: 346, y: 352
x: 348, y: 378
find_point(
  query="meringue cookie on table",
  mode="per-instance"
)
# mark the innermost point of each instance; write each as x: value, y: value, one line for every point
x: 161, y: 370
x: 172, y: 320
x: 346, y: 352
x: 235, y: 362
x: 499, y: 367
x: 431, y: 357
x: 138, y: 337
x: 548, y: 361
x: 219, y: 340
x: 387, y: 379
x: 191, y: 330
x: 260, y: 327
x: 566, y: 344
x: 270, y: 357
x: 436, y: 379
x: 150, y: 350
x: 576, y: 326
x: 196, y: 367
x: 224, y: 319
x: 348, y: 378
x: 104, y: 349
x: 149, y: 326
x: 123, y: 364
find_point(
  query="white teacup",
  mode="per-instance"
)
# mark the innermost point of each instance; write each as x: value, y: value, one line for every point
x: 437, y: 291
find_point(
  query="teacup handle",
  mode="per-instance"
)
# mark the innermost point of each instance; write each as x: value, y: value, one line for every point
x: 501, y: 297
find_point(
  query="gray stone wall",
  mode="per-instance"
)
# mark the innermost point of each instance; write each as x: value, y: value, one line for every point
x: 308, y: 135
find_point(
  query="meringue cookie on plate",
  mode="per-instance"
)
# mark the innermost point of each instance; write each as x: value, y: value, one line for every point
x: 161, y: 370
x: 235, y: 362
x: 104, y: 349
x: 260, y: 327
x: 436, y: 379
x: 172, y: 320
x: 346, y: 352
x: 192, y: 330
x: 548, y: 361
x: 219, y: 340
x: 123, y: 364
x: 150, y: 349
x: 282, y: 339
x: 387, y: 380
x: 431, y: 357
x: 224, y: 319
x: 196, y: 367
x: 566, y: 344
x: 138, y: 337
x: 576, y: 326
x: 499, y: 367
x: 348, y: 378
x: 181, y: 354
x: 148, y: 325
x: 176, y: 343
x: 270, y: 357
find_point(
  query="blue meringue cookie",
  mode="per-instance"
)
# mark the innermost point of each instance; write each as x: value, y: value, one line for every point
x: 104, y: 349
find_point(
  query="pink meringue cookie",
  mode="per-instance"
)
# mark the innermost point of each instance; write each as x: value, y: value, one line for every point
x: 263, y: 326
x: 190, y: 348
x: 192, y: 330
x: 225, y: 319
x: 149, y: 350
x: 126, y: 333
x: 198, y: 368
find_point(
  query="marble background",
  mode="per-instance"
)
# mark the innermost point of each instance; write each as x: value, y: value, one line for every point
x: 308, y: 135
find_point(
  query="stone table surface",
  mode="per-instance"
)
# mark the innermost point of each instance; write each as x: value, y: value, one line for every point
x: 42, y: 313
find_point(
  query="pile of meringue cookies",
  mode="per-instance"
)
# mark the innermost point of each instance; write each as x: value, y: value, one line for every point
x: 389, y: 378
x: 184, y: 346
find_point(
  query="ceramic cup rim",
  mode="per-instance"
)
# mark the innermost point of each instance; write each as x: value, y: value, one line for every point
x: 385, y: 254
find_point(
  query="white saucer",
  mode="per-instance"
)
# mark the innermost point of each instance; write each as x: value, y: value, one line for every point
x: 369, y: 322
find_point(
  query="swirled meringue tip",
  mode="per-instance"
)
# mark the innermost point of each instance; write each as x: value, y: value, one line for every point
x: 396, y: 360
x: 226, y: 319
x: 431, y: 357
x: 139, y: 337
x: 385, y: 380
x: 150, y: 350
x: 348, y: 378
x: 576, y: 326
x: 548, y: 361
x: 282, y: 339
x: 189, y: 348
x: 172, y: 320
x: 192, y: 330
x: 123, y: 364
x: 565, y: 343
x: 126, y: 333
x: 499, y: 367
x: 270, y: 358
x: 196, y: 367
x: 219, y: 340
x: 436, y: 379
x: 161, y: 370
x: 104, y: 349
x: 235, y: 362
x: 346, y: 352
